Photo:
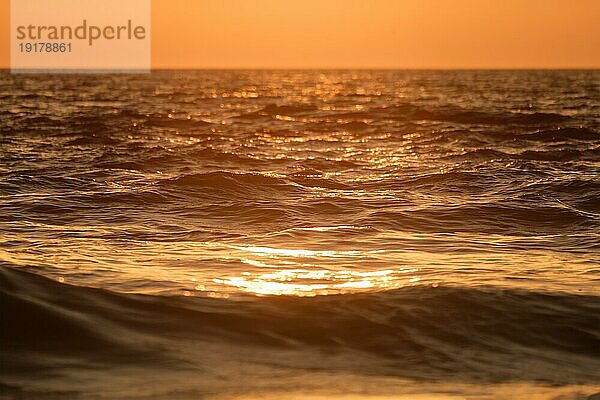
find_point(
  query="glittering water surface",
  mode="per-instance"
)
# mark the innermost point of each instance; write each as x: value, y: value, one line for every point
x: 303, y: 182
x: 426, y: 199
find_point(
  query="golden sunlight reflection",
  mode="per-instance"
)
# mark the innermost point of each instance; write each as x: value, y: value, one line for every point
x: 304, y: 282
x: 283, y: 263
x: 294, y: 272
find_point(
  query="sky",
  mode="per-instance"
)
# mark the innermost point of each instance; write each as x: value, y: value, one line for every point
x: 370, y: 34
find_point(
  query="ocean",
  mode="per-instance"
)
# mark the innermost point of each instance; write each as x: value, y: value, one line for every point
x: 300, y: 235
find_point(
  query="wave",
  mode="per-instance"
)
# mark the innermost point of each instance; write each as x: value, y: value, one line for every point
x: 319, y: 164
x: 561, y: 155
x: 221, y: 157
x: 272, y: 110
x: 486, y: 118
x: 562, y: 134
x: 531, y: 155
x: 28, y: 181
x: 175, y: 123
x: 221, y: 181
x: 410, y: 112
x: 94, y: 140
x: 420, y: 330
x: 491, y: 217
x: 245, y: 183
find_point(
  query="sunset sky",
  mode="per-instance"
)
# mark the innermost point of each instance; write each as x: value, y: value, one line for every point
x: 371, y: 34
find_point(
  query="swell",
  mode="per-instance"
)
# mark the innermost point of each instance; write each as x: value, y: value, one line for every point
x: 220, y: 182
x: 487, y: 118
x: 485, y: 201
x: 562, y: 134
x: 487, y: 218
x: 412, y: 112
x: 530, y: 155
x: 420, y: 328
x: 272, y: 110
x: 161, y: 158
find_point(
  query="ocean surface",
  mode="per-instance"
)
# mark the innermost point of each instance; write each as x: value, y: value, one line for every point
x: 300, y: 234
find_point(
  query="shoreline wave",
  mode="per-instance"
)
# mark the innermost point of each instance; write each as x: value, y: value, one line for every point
x: 418, y: 329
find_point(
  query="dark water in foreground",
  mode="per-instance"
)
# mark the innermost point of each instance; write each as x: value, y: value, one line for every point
x: 300, y: 234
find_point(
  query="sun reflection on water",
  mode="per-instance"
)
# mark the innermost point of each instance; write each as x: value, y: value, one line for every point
x: 290, y: 274
x: 304, y: 282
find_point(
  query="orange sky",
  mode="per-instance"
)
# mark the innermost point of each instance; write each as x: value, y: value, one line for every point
x: 371, y: 33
